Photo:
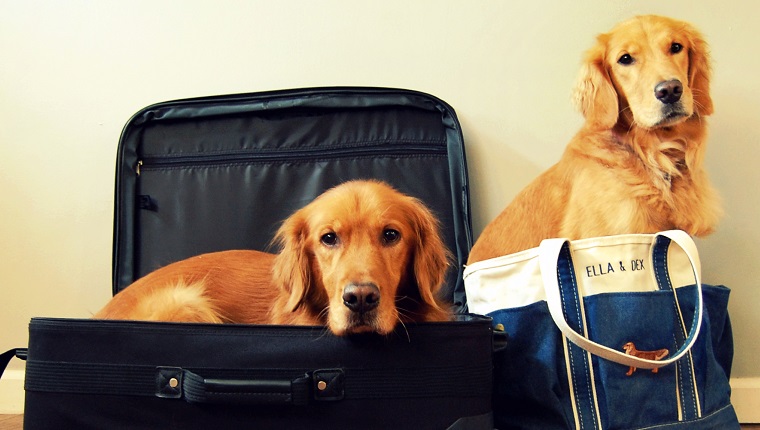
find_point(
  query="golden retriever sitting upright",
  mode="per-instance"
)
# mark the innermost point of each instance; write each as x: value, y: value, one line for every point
x: 636, y: 166
x: 362, y: 257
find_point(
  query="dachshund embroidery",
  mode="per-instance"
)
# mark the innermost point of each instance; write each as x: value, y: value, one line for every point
x: 630, y: 349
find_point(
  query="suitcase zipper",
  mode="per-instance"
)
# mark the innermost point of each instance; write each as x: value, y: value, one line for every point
x: 198, y: 160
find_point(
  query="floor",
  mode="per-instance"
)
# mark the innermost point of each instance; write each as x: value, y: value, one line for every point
x: 11, y: 422
x: 15, y: 422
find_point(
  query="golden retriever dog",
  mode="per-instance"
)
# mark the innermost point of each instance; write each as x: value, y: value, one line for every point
x: 636, y: 166
x: 361, y: 257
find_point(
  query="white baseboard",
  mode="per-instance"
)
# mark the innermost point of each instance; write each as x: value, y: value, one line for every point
x: 12, y: 392
x: 745, y: 396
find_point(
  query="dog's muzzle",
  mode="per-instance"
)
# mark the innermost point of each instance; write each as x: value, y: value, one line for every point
x: 361, y: 298
x: 673, y: 110
x: 669, y: 92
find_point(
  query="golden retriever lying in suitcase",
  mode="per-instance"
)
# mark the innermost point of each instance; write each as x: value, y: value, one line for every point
x: 362, y: 257
x: 636, y: 166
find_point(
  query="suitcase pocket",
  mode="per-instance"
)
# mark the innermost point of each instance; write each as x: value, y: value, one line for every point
x: 199, y: 160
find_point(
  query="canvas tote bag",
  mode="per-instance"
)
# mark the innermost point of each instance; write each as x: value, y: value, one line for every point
x: 614, y: 332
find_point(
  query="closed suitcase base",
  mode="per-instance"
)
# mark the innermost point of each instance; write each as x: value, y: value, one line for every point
x: 93, y: 374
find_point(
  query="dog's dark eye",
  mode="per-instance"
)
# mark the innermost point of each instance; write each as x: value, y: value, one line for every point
x: 625, y: 59
x: 675, y: 48
x: 329, y: 239
x: 390, y: 236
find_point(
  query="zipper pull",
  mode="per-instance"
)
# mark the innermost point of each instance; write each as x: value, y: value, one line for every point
x: 139, y: 164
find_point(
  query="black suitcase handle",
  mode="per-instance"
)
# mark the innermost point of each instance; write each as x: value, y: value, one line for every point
x: 319, y: 385
x: 7, y: 356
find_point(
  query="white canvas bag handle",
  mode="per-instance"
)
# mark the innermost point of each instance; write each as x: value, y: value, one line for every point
x: 549, y: 252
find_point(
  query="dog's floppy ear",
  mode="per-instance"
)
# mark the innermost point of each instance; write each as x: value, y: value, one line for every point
x: 292, y: 271
x: 699, y: 71
x: 431, y: 257
x: 594, y: 94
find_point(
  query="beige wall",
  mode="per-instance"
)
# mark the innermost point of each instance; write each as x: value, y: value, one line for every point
x: 73, y: 72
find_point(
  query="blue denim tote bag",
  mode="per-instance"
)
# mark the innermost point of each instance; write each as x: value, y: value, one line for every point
x: 614, y: 332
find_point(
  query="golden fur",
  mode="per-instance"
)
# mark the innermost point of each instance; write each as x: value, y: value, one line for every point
x: 362, y: 257
x: 636, y: 166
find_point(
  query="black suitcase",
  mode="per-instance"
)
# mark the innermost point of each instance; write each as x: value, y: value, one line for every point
x: 229, y: 169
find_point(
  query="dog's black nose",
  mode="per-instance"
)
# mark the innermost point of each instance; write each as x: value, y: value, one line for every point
x: 669, y: 92
x: 361, y: 297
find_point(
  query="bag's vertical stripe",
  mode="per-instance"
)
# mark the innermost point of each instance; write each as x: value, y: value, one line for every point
x: 679, y: 400
x: 586, y: 408
x: 583, y: 394
x: 686, y: 388
x: 570, y: 382
x: 597, y: 420
x: 588, y: 355
x: 697, y: 402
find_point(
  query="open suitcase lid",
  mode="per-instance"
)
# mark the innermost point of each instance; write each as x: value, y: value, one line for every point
x: 215, y: 173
